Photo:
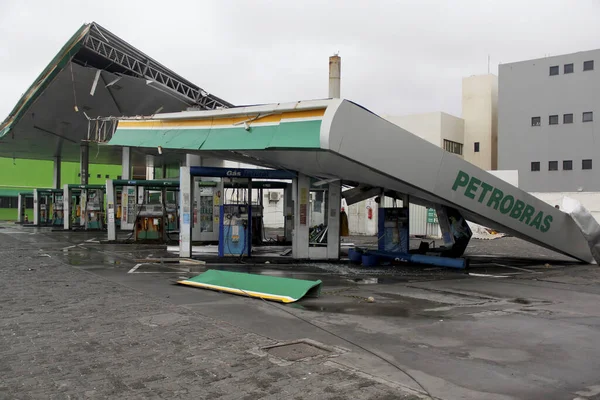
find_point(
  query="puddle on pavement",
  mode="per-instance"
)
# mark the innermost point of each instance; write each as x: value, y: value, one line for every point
x: 370, y: 309
x: 408, y: 308
x: 365, y: 281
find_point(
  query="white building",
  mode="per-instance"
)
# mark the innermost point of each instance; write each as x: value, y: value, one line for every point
x: 443, y: 130
x: 480, y: 115
x: 473, y: 137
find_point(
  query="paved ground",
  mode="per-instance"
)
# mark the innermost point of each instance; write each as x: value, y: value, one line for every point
x: 67, y: 333
x: 84, y: 319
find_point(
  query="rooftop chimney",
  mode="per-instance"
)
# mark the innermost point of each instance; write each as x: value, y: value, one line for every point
x: 335, y: 73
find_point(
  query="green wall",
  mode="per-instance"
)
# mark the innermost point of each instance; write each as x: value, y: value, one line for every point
x: 28, y: 174
x: 38, y: 174
x: 11, y: 214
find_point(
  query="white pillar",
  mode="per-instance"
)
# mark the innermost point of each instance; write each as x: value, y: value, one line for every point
x: 126, y: 163
x: 301, y: 195
x: 36, y: 207
x: 288, y: 212
x: 66, y: 207
x: 193, y: 160
x: 84, y: 161
x: 21, y: 206
x: 333, y: 220
x: 126, y: 219
x: 56, y: 173
x: 149, y: 167
x: 185, y: 223
x: 111, y: 204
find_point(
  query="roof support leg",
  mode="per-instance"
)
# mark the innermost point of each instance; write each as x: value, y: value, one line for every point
x: 301, y: 193
x: 67, y: 207
x: 21, y: 205
x: 193, y: 160
x: 333, y: 220
x: 149, y: 167
x: 111, y: 205
x: 185, y: 223
x: 126, y: 163
x: 84, y: 161
x: 56, y: 173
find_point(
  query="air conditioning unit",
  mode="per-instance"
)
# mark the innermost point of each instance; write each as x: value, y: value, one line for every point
x: 273, y: 196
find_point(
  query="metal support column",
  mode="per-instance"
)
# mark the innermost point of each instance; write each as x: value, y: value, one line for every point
x: 288, y: 212
x: 56, y: 173
x: 126, y: 163
x: 66, y: 207
x: 126, y: 191
x: 36, y: 207
x: 21, y: 205
x: 84, y: 161
x: 193, y: 160
x: 150, y: 167
x: 185, y: 223
x: 333, y: 220
x: 111, y: 205
x: 301, y: 195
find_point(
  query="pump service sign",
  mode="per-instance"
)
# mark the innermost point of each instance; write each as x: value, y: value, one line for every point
x: 492, y: 197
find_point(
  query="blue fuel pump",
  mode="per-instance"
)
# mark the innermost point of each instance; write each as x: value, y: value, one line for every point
x: 393, y: 235
x: 235, y: 230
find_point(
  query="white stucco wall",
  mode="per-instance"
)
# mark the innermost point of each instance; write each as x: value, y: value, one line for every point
x: 426, y: 126
x: 433, y: 127
x: 479, y: 111
x: 452, y: 128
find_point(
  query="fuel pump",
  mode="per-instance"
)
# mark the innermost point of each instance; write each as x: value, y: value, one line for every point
x: 58, y: 210
x: 234, y: 230
x: 393, y: 234
x: 151, y: 219
x: 93, y: 208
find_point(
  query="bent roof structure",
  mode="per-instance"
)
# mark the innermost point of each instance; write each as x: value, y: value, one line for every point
x: 337, y: 139
x: 94, y: 74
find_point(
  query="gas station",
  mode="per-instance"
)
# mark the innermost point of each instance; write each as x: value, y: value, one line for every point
x: 86, y: 104
x: 251, y: 201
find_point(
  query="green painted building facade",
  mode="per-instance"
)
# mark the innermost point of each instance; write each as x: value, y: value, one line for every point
x: 20, y: 175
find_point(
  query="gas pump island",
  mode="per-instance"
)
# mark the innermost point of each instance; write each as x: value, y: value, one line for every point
x: 146, y: 208
x: 83, y: 207
x: 48, y: 207
x: 209, y: 214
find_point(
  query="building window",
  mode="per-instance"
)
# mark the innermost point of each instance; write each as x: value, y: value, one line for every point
x: 588, y: 65
x: 535, y: 165
x: 567, y: 118
x: 28, y: 202
x: 553, y: 120
x: 476, y: 147
x: 536, y: 121
x: 554, y: 70
x: 99, y: 176
x: 107, y: 176
x: 552, y: 165
x: 567, y: 165
x: 586, y: 164
x: 9, y: 202
x: 453, y: 147
x: 568, y: 68
x: 119, y: 177
x: 588, y: 116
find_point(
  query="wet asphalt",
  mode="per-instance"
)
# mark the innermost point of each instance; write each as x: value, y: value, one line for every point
x: 521, y: 323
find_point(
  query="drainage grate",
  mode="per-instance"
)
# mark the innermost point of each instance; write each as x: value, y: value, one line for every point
x: 296, y: 351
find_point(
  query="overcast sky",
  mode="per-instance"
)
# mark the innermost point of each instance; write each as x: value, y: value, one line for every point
x: 398, y: 57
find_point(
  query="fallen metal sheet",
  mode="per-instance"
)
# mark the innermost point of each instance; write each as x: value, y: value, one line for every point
x: 285, y: 290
